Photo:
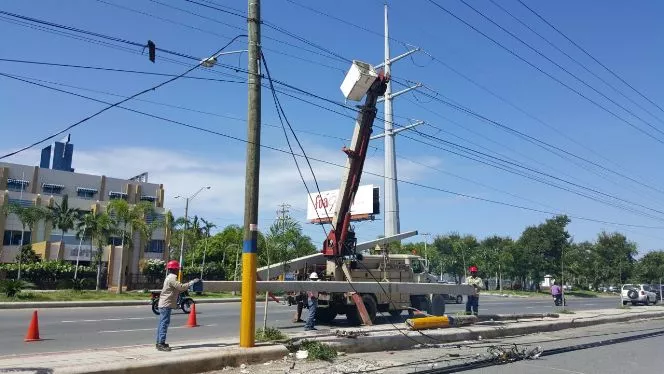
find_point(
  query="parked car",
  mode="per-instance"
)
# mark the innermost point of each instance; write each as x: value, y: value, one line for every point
x: 637, y: 294
x: 657, y: 290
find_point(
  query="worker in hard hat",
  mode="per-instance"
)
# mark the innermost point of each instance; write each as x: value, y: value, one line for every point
x: 168, y: 301
x: 312, y: 301
x: 472, y: 304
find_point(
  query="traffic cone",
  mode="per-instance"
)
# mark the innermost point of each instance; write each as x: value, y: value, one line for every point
x: 33, y: 330
x: 192, y: 317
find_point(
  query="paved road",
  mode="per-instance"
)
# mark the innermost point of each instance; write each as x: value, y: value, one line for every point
x: 86, y: 328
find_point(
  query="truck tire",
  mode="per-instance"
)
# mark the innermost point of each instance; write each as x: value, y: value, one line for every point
x: 633, y: 294
x: 325, y: 315
x: 438, y: 305
x: 353, y: 315
x: 420, y: 302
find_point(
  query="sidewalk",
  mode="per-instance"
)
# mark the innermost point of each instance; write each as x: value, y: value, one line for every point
x: 202, y: 356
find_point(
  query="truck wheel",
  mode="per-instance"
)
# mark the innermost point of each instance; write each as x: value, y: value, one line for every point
x: 325, y: 315
x: 438, y: 305
x: 395, y: 313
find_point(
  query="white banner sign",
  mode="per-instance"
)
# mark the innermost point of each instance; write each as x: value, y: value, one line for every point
x: 322, y: 205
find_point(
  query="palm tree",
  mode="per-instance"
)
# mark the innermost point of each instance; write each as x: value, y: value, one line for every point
x: 99, y: 227
x: 29, y: 216
x: 64, y: 218
x: 4, y: 212
x: 130, y: 219
x: 207, y: 226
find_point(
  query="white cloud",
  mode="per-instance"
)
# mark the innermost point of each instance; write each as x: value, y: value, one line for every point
x: 182, y: 173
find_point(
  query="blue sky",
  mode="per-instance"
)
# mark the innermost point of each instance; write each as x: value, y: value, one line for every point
x: 624, y: 36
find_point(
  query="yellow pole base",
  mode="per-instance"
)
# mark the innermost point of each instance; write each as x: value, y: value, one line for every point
x: 434, y: 322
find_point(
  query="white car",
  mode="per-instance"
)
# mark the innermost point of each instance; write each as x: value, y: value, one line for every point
x: 637, y: 294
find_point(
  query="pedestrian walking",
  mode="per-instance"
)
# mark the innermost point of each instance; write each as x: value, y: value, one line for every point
x: 472, y: 304
x: 168, y: 300
x: 312, y: 300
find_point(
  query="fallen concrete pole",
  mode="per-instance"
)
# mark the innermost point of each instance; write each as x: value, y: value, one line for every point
x: 330, y: 286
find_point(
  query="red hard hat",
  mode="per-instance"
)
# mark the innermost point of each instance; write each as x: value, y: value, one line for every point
x: 173, y: 265
x: 473, y: 269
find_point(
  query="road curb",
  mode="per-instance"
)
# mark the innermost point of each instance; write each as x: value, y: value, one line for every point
x: 93, y: 304
x: 188, y: 363
x: 410, y: 339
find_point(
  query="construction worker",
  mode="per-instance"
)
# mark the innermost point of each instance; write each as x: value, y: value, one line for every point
x: 472, y: 304
x: 168, y: 300
x: 312, y: 300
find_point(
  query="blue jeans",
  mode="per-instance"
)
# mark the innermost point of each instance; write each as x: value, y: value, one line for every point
x: 164, y: 321
x: 473, y: 304
x: 311, y: 319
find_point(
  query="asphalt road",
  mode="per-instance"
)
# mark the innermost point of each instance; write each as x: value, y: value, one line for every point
x: 88, y: 328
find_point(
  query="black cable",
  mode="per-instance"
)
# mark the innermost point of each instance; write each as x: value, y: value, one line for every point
x: 280, y: 113
x: 583, y: 66
x: 326, y: 162
x: 492, y: 93
x: 562, y: 68
x: 591, y: 56
x: 218, y: 9
x: 536, y: 141
x: 547, y: 73
x: 331, y: 101
x: 49, y: 137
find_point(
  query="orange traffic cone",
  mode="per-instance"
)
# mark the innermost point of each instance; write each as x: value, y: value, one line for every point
x: 33, y: 330
x: 192, y: 317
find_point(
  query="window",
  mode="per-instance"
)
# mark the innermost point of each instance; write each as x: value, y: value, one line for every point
x: 628, y: 287
x: 117, y: 195
x: 148, y: 198
x: 114, y: 241
x: 86, y: 193
x: 17, y: 185
x: 13, y: 237
x: 53, y: 189
x: 156, y: 218
x: 156, y: 246
x: 23, y: 203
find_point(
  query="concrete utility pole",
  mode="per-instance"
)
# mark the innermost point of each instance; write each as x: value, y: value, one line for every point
x: 391, y: 191
x: 282, y: 220
x: 248, y: 308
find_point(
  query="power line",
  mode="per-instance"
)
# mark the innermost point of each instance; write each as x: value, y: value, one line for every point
x: 538, y: 142
x: 547, y: 73
x: 583, y: 66
x: 590, y: 55
x: 561, y: 67
x: 198, y: 128
x: 153, y: 88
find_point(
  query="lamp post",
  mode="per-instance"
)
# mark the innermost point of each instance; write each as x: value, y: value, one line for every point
x: 186, y: 221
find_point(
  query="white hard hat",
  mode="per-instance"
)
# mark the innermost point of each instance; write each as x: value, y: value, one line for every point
x: 313, y: 275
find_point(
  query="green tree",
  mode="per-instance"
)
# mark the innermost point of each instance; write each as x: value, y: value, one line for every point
x: 493, y: 256
x: 206, y: 228
x: 456, y: 253
x: 614, y: 257
x: 99, y: 227
x: 651, y: 267
x: 285, y: 241
x: 29, y: 216
x: 63, y: 217
x: 131, y: 219
x: 544, y: 245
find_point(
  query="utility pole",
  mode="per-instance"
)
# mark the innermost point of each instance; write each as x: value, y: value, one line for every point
x: 248, y: 308
x: 391, y: 191
x: 282, y: 220
x: 184, y: 232
x: 426, y: 256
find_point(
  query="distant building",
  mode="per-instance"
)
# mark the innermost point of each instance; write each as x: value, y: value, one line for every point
x: 60, y: 153
x: 33, y: 185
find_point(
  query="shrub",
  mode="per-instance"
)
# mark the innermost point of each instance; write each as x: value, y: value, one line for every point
x: 270, y: 334
x: 318, y: 350
x: 11, y: 288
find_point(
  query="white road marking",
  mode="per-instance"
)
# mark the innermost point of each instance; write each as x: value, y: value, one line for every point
x: 530, y: 307
x: 107, y: 319
x: 150, y: 329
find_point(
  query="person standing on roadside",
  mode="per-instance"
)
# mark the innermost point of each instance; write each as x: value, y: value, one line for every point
x: 472, y: 304
x: 168, y: 300
x: 312, y: 300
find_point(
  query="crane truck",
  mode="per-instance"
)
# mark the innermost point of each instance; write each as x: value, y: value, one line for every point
x: 359, y: 280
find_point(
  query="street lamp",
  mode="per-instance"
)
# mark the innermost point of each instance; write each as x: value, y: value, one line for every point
x: 212, y: 60
x: 186, y: 221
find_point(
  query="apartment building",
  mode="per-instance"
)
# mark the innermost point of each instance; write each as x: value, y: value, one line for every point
x: 34, y: 185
